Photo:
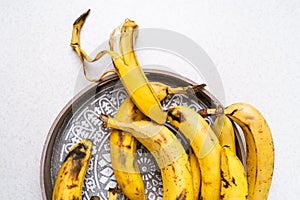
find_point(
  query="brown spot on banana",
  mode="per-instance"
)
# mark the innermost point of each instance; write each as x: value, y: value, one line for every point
x: 72, y: 186
x: 68, y: 184
x: 77, y: 156
x: 226, y: 183
x: 176, y: 115
x: 161, y: 140
x: 182, y: 195
x: 121, y: 137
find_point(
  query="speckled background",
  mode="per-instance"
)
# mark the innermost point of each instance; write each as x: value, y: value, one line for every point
x: 255, y: 46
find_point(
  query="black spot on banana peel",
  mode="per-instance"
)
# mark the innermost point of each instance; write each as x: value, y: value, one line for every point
x: 77, y: 153
x: 176, y: 115
x: 70, y: 178
x: 225, y: 182
x: 182, y: 195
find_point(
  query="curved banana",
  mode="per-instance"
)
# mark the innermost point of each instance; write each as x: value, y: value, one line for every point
x: 205, y: 145
x: 68, y: 184
x: 122, y: 40
x: 196, y: 174
x: 260, y: 148
x: 123, y: 154
x: 234, y: 181
x: 132, y: 76
x: 223, y: 128
x: 167, y: 151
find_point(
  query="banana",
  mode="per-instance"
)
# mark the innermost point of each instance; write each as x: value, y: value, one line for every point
x: 223, y: 128
x: 123, y: 145
x: 205, y: 145
x: 131, y: 76
x: 68, y: 184
x: 167, y: 151
x: 123, y: 154
x: 196, y: 174
x: 260, y: 148
x: 234, y: 181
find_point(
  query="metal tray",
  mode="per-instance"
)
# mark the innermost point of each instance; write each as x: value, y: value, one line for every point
x: 79, y: 119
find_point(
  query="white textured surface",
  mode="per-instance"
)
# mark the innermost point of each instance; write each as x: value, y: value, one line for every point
x: 254, y: 44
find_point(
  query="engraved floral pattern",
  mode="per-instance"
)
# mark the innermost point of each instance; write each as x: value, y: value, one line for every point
x: 84, y: 123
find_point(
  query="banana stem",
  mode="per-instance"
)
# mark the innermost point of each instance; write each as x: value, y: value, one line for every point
x: 211, y: 111
x: 198, y: 88
x: 104, y: 118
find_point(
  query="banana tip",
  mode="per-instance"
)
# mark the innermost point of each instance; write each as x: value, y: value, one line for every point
x: 82, y: 17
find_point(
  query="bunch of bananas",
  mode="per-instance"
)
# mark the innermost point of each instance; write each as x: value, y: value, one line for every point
x: 210, y: 171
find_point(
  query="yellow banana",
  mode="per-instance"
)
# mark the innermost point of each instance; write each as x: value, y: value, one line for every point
x: 196, y: 174
x: 167, y: 151
x: 123, y: 145
x: 132, y: 76
x: 205, y: 145
x: 122, y: 40
x: 68, y: 184
x: 223, y: 128
x: 234, y: 181
x: 123, y: 154
x: 260, y: 148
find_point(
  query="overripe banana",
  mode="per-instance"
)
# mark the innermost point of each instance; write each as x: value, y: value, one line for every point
x: 69, y: 181
x: 260, y: 148
x: 123, y: 145
x: 205, y: 145
x: 223, y: 128
x: 123, y: 154
x: 131, y: 76
x: 234, y: 182
x: 167, y: 151
x: 215, y: 168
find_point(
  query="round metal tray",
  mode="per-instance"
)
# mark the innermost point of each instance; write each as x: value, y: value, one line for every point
x: 79, y: 119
